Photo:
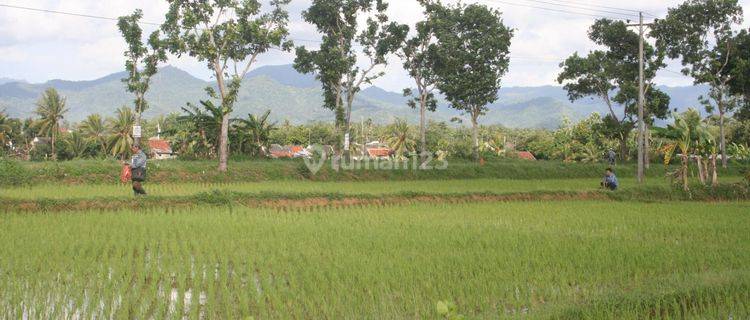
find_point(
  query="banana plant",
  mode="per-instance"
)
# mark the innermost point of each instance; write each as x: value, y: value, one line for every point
x: 687, y: 137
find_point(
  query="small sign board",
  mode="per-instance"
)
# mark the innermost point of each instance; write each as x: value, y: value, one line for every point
x: 346, y: 142
x: 136, y: 131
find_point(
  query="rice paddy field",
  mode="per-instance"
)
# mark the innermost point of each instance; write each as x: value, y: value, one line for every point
x: 424, y: 248
x: 487, y: 260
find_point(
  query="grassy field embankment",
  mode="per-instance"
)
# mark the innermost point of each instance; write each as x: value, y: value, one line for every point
x: 178, y: 171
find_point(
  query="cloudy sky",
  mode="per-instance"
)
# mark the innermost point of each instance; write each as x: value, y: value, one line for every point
x: 37, y: 47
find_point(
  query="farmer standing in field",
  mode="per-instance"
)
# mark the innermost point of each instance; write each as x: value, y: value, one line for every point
x: 611, y: 157
x: 138, y: 170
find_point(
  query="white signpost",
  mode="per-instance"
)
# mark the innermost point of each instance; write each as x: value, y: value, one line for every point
x: 136, y: 131
x: 346, y: 142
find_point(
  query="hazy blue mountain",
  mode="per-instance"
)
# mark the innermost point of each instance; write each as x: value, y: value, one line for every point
x: 7, y: 80
x: 297, y: 98
x: 285, y: 75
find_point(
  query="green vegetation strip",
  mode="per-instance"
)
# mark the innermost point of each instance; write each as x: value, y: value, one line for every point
x: 291, y: 200
x: 530, y: 260
x: 82, y: 172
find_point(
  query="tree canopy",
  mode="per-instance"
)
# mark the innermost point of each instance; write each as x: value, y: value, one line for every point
x: 142, y: 61
x: 229, y: 36
x: 472, y: 57
x: 612, y: 73
x: 701, y: 34
x: 335, y: 63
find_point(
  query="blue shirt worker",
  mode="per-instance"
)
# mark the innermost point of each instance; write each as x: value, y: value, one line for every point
x: 138, y: 170
x: 610, y: 180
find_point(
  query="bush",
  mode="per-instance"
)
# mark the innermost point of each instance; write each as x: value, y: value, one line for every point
x: 13, y: 173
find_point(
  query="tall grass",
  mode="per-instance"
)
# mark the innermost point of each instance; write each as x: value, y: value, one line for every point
x: 570, y: 260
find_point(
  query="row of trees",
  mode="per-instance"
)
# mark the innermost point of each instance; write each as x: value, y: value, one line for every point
x: 194, y: 135
x: 461, y: 50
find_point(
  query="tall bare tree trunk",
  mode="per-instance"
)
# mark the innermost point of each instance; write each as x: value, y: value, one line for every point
x: 722, y: 139
x: 137, y: 140
x: 475, y: 136
x: 714, y: 173
x: 422, y: 129
x: 224, y: 144
x: 347, y: 125
x: 701, y: 171
x: 52, y: 140
x: 684, y: 169
x: 647, y: 148
x: 224, y: 133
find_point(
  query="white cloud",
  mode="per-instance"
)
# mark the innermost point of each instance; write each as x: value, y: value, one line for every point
x: 41, y: 46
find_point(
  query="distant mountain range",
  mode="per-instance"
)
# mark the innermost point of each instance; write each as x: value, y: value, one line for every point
x: 297, y: 98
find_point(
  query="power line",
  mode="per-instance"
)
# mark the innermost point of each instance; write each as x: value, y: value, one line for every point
x: 597, y: 6
x: 536, y: 59
x: 675, y: 72
x: 552, y: 9
x: 80, y: 15
x: 583, y: 8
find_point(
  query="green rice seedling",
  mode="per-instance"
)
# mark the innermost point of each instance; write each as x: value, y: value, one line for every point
x: 561, y: 260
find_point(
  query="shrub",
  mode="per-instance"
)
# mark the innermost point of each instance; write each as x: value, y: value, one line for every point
x: 13, y: 174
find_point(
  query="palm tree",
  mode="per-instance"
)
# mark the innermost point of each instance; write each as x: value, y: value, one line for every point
x: 258, y: 130
x: 120, y: 128
x: 77, y: 144
x: 51, y: 108
x: 95, y: 129
x: 399, y: 137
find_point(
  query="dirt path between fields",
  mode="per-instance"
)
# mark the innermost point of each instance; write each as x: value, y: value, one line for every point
x: 279, y: 201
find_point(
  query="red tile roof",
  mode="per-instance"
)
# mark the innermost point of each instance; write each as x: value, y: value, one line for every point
x: 526, y: 155
x: 379, y: 152
x: 158, y: 145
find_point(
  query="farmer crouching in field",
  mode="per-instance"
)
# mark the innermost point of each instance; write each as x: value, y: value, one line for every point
x: 610, y: 180
x: 138, y: 170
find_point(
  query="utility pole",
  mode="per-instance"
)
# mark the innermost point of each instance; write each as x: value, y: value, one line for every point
x: 641, y: 101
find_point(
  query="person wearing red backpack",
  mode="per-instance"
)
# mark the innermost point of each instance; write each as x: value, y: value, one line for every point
x: 137, y: 170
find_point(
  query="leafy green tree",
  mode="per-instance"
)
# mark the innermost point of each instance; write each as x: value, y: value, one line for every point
x: 257, y: 130
x: 611, y: 74
x: 418, y: 61
x: 472, y: 55
x: 121, y: 139
x: 739, y: 85
x: 229, y: 36
x: 141, y: 62
x: 95, y: 129
x: 335, y: 62
x: 700, y: 32
x: 51, y: 109
x: 6, y: 130
x: 739, y: 64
